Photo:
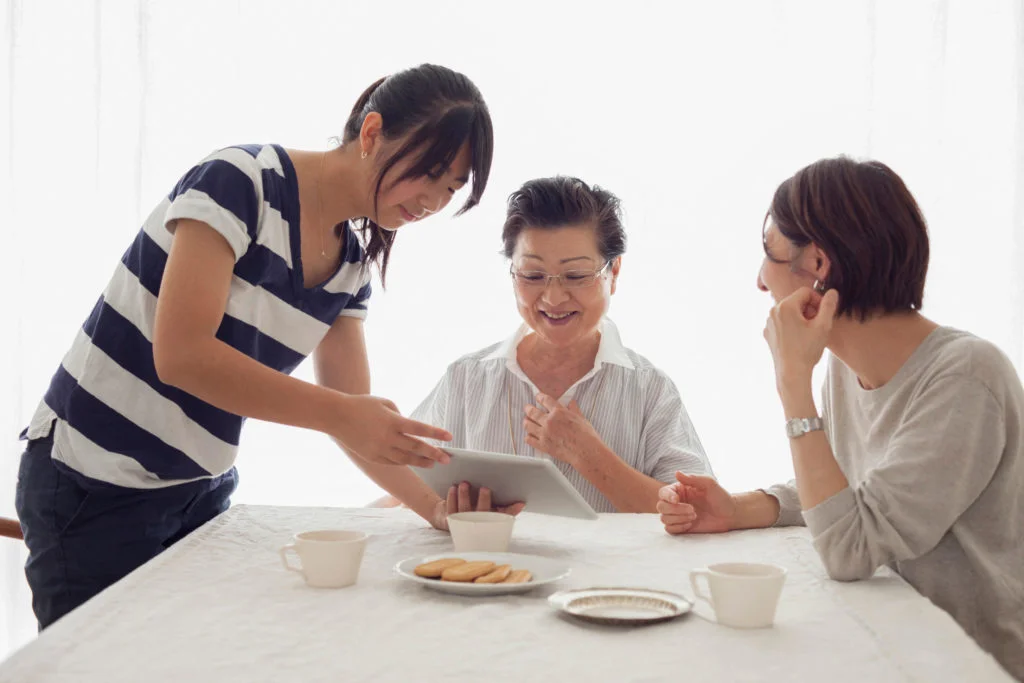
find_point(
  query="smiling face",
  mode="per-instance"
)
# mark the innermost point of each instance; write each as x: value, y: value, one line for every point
x: 414, y: 199
x: 569, y: 309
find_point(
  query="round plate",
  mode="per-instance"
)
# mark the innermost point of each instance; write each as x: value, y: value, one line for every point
x: 621, y: 606
x: 544, y: 570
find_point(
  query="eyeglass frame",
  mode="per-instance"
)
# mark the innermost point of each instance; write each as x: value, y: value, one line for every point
x: 597, y: 273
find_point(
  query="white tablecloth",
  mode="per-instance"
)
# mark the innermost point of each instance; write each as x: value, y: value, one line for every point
x: 218, y: 606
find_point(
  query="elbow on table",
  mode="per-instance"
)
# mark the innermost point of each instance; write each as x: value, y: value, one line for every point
x: 845, y: 562
x: 846, y: 568
x: 847, y: 573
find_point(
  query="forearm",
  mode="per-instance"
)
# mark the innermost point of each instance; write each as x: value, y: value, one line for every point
x: 754, y: 510
x: 627, y: 489
x: 341, y: 364
x: 402, y: 483
x: 818, y: 476
x: 228, y: 379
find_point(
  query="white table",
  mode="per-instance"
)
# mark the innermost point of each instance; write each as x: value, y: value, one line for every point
x: 219, y: 607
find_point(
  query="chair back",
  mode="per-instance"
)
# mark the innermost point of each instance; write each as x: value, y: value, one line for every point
x: 10, y: 528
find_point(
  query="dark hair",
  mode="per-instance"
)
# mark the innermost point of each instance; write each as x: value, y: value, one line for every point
x: 438, y: 110
x: 864, y: 218
x: 552, y: 203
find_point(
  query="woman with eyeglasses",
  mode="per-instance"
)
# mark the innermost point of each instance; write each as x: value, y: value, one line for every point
x: 562, y: 386
x: 916, y: 460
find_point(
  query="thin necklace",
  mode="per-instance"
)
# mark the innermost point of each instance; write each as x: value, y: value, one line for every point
x: 320, y: 204
x: 508, y: 385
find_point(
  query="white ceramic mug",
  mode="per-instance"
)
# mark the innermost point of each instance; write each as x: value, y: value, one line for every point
x: 480, y: 531
x: 327, y: 559
x: 742, y: 594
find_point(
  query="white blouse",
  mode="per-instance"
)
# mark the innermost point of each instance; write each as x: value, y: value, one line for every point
x: 633, y: 405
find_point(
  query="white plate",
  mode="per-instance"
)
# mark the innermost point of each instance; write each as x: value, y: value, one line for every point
x: 544, y: 570
x: 621, y: 606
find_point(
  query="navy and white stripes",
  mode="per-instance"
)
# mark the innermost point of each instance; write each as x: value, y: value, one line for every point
x: 116, y: 422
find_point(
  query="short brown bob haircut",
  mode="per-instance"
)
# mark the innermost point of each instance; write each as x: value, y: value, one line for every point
x: 861, y: 214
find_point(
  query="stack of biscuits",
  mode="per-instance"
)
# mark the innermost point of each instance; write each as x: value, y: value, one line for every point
x: 480, y: 571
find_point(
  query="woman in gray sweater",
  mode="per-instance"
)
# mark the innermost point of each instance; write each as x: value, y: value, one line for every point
x: 917, y: 458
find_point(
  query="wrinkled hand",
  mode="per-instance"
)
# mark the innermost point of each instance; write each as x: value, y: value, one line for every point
x: 695, y: 505
x: 797, y: 331
x: 561, y: 432
x: 461, y: 499
x: 371, y: 428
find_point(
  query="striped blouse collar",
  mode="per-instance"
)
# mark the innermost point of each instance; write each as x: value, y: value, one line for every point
x: 610, y: 349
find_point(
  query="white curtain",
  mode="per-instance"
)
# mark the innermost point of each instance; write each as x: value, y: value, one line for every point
x: 691, y: 112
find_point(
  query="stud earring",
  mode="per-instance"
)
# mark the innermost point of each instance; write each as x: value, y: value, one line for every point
x: 364, y: 154
x: 819, y: 287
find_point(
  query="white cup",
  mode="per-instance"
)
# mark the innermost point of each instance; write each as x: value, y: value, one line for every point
x: 480, y: 531
x: 327, y: 559
x: 743, y: 595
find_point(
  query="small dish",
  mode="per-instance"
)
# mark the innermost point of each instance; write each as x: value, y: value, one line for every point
x: 544, y: 571
x: 621, y: 606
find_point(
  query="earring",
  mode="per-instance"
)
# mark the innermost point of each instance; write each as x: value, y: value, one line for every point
x: 364, y: 154
x: 819, y: 287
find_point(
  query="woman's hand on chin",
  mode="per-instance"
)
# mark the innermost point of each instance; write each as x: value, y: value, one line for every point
x: 797, y: 332
x: 561, y: 432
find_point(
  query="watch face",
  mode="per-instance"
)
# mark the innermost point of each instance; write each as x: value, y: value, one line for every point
x: 801, y: 425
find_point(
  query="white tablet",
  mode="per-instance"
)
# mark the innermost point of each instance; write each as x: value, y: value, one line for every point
x: 511, y: 479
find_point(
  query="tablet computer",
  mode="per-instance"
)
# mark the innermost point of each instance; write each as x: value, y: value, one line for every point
x: 511, y: 478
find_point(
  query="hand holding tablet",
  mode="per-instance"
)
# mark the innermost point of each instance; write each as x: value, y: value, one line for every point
x: 511, y: 479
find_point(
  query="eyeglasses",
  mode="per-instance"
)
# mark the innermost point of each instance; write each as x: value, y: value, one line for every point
x: 571, y: 279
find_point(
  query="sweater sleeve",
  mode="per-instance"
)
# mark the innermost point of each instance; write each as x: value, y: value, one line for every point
x: 940, y: 458
x: 790, y: 513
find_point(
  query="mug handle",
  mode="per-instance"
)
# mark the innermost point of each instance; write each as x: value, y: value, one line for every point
x: 695, y: 584
x: 284, y: 559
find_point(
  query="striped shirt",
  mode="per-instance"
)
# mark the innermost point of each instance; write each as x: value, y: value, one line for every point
x: 632, y: 405
x: 114, y: 420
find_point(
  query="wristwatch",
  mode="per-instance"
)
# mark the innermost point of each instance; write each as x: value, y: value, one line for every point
x: 799, y: 426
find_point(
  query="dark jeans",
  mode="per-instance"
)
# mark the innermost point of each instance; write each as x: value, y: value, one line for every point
x: 83, y: 535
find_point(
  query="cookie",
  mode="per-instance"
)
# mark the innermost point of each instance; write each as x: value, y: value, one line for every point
x: 467, y: 571
x: 497, y: 575
x: 519, y: 576
x: 432, y: 570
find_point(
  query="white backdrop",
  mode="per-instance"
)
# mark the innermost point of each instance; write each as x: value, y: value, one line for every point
x: 691, y: 112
